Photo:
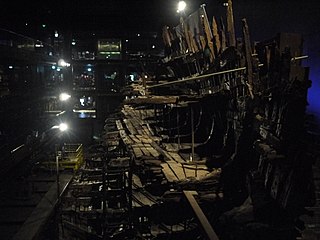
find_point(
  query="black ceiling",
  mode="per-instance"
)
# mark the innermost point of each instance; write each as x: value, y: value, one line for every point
x: 264, y: 17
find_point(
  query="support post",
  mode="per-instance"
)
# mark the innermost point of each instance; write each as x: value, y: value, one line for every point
x: 192, y: 135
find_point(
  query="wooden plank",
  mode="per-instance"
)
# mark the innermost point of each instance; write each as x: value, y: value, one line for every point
x: 134, y: 138
x: 168, y: 173
x: 142, y: 198
x: 146, y: 130
x: 167, y: 157
x: 137, y: 152
x: 137, y: 182
x: 202, y: 173
x: 152, y: 151
x: 130, y: 127
x: 199, y: 171
x: 119, y: 125
x: 144, y: 138
x: 177, y: 169
x: 150, y: 129
x: 145, y: 151
x: 190, y: 173
x: 176, y: 157
x: 210, y: 234
x: 153, y: 100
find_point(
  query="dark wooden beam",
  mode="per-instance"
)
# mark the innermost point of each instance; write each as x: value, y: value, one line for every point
x: 210, y: 233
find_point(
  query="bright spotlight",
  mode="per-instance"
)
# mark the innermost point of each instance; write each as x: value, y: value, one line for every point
x: 181, y: 6
x: 63, y: 127
x: 64, y: 97
x: 63, y: 63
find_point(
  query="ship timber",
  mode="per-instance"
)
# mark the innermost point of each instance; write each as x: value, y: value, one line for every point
x: 212, y: 146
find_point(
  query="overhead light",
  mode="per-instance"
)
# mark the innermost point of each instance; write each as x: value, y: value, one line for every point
x: 56, y: 34
x: 63, y: 127
x: 181, y: 6
x: 63, y: 63
x: 64, y: 97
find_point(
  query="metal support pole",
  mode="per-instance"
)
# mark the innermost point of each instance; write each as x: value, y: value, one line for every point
x: 199, y: 77
x: 104, y: 197
x: 192, y: 135
x: 58, y: 154
x: 178, y: 127
x: 58, y: 175
x: 130, y: 181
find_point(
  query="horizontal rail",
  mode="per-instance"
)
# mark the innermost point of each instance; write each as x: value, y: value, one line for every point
x: 198, y: 77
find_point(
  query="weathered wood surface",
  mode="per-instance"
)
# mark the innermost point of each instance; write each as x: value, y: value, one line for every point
x: 152, y: 100
x: 145, y: 147
x: 179, y: 171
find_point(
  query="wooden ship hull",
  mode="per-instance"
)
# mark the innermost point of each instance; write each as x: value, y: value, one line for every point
x: 211, y: 146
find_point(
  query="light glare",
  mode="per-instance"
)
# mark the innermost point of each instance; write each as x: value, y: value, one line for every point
x: 63, y: 63
x: 182, y: 6
x: 64, y: 96
x: 63, y: 127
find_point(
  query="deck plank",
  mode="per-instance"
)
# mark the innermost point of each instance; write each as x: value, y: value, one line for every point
x: 168, y: 173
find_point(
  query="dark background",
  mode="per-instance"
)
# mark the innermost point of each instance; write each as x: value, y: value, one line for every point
x: 265, y: 20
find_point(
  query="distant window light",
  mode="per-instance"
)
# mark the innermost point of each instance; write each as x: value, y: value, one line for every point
x: 138, y: 34
x: 50, y: 54
x: 127, y: 40
x: 131, y: 77
x: 53, y: 67
x: 43, y: 25
x: 225, y: 4
x: 82, y: 101
x: 73, y: 43
x: 10, y: 67
x: 58, y: 69
x: 89, y: 69
x: 26, y: 24
x: 153, y: 46
x: 56, y: 34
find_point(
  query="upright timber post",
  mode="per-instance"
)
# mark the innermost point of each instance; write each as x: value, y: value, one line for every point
x: 104, y: 197
x: 178, y: 127
x: 130, y: 181
x: 230, y: 25
x: 248, y: 52
x: 192, y: 134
